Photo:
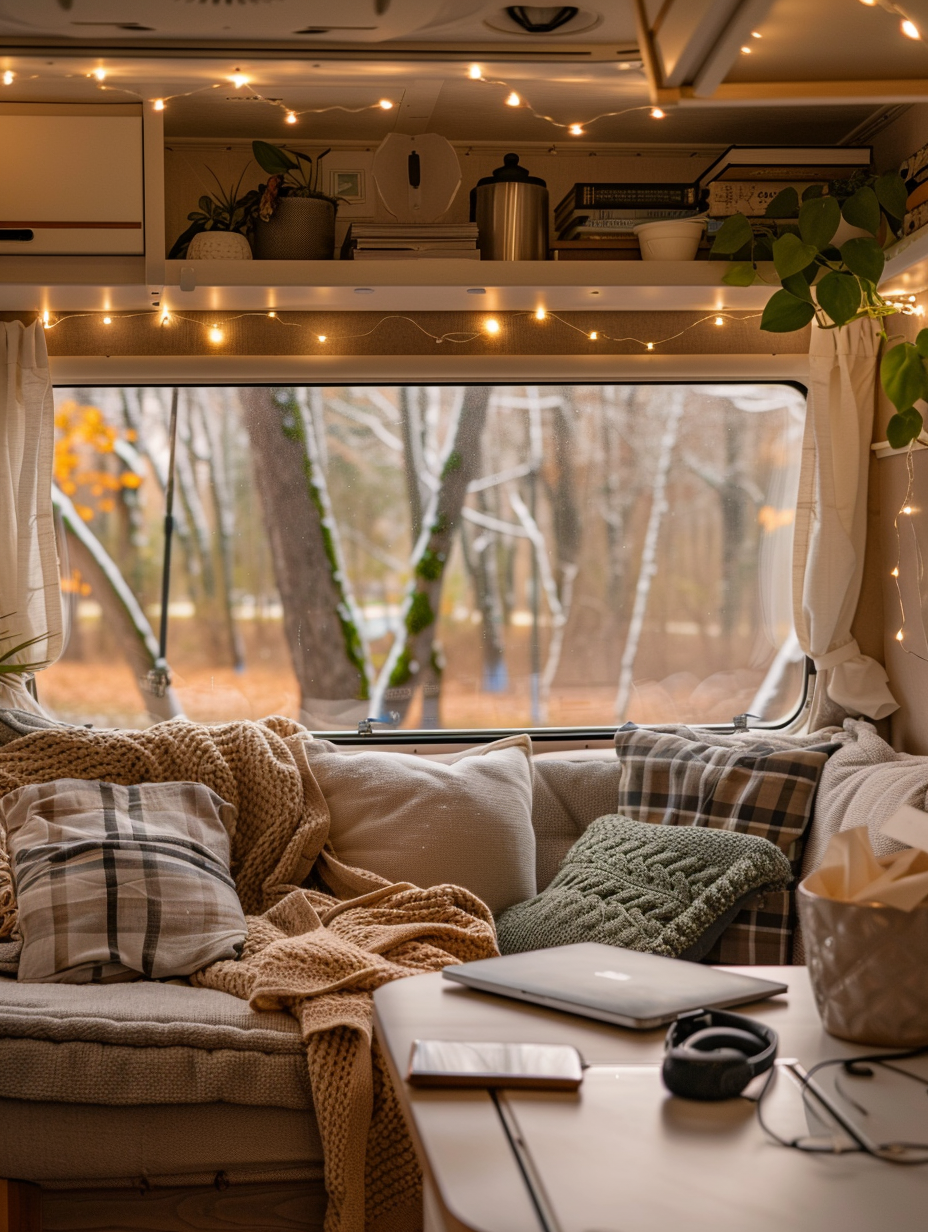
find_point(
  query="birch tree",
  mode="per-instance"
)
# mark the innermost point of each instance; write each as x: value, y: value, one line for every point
x: 322, y: 624
x: 415, y: 662
x: 648, y: 565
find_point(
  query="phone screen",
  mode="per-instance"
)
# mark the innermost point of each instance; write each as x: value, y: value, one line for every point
x: 460, y: 1063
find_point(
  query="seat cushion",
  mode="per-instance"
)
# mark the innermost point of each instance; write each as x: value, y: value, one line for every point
x: 662, y: 889
x: 115, y: 882
x: 146, y: 1043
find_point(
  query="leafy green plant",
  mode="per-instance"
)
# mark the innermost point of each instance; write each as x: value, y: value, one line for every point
x: 833, y: 285
x: 8, y: 668
x: 290, y: 174
x: 224, y: 210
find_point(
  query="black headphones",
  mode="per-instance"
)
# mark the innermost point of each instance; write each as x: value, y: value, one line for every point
x: 710, y: 1054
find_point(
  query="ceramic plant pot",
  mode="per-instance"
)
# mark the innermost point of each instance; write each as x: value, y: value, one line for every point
x: 301, y: 229
x: 676, y: 239
x: 219, y: 246
x: 867, y: 966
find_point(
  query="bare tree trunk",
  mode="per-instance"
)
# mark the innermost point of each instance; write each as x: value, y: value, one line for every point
x: 121, y: 609
x: 411, y: 420
x: 648, y: 566
x: 415, y: 659
x: 326, y: 645
x: 213, y: 421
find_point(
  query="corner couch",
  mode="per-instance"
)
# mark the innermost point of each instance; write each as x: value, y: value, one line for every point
x: 168, y: 1106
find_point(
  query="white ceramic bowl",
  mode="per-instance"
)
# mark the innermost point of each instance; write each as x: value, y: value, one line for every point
x: 675, y: 239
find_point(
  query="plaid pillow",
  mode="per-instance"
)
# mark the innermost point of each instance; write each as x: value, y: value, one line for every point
x: 758, y: 789
x: 116, y: 882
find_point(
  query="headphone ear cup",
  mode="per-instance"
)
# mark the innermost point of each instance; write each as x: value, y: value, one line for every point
x: 695, y: 1075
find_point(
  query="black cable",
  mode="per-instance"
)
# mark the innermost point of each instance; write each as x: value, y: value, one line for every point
x: 888, y: 1152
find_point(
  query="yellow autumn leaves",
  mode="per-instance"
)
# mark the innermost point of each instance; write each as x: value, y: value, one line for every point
x: 83, y: 439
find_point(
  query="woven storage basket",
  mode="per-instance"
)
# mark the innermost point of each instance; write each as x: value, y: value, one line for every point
x: 868, y: 965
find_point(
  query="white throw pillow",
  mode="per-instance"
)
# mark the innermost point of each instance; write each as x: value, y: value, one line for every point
x: 464, y: 819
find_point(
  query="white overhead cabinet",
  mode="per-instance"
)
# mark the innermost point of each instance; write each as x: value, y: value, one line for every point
x: 71, y: 179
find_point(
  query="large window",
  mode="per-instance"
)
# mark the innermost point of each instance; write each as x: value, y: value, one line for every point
x: 474, y: 557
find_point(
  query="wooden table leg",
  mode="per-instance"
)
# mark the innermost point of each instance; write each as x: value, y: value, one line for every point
x: 20, y: 1207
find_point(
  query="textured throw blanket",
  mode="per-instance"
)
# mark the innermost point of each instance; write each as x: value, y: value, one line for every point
x: 318, y: 955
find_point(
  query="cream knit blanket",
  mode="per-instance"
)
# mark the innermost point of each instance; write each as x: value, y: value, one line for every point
x: 318, y: 955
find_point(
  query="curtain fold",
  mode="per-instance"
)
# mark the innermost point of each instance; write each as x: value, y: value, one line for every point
x: 831, y: 516
x: 30, y: 591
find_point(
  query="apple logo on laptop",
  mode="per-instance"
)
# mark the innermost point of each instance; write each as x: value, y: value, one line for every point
x: 612, y: 975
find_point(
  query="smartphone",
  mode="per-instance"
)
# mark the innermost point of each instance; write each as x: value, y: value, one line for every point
x: 460, y: 1063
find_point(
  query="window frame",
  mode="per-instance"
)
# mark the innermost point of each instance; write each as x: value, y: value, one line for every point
x: 72, y: 372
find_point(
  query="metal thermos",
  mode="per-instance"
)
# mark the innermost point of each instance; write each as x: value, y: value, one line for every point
x: 510, y: 208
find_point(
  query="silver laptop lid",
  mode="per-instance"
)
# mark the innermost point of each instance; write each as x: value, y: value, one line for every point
x: 615, y: 985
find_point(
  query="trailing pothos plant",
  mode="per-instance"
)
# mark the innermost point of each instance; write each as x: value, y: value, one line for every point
x: 833, y: 284
x: 224, y: 210
x: 290, y: 174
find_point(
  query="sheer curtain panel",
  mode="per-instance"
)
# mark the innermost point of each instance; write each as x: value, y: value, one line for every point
x: 30, y: 592
x: 831, y: 516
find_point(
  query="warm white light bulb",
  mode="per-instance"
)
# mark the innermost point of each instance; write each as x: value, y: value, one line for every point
x: 576, y: 130
x: 385, y: 104
x: 291, y: 117
x: 650, y: 346
x: 238, y: 80
x: 321, y: 337
x: 909, y: 29
x: 911, y: 299
x: 272, y: 314
x: 45, y: 318
x: 100, y: 74
x: 474, y: 72
x: 158, y: 104
x: 107, y: 320
x: 895, y: 572
x: 513, y: 100
x: 657, y: 113
x: 540, y: 314
x: 593, y: 336
x: 720, y: 320
x: 746, y: 51
x: 216, y: 334
x: 756, y: 34
x: 899, y: 636
x: 491, y: 325
x: 870, y: 3
x: 165, y: 317
x: 906, y: 509
x: 8, y: 77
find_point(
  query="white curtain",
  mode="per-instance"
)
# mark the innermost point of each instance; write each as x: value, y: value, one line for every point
x: 831, y: 516
x: 30, y: 592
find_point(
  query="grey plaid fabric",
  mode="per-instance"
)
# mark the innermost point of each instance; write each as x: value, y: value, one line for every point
x: 117, y: 882
x: 767, y: 791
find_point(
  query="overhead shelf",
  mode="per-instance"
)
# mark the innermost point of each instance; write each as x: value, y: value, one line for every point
x: 906, y: 269
x: 455, y: 286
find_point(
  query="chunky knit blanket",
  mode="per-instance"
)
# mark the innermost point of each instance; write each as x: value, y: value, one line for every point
x: 318, y: 955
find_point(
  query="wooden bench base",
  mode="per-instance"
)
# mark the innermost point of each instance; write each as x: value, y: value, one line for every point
x: 20, y: 1207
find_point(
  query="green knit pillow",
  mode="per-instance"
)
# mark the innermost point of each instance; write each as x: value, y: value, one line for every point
x: 664, y: 889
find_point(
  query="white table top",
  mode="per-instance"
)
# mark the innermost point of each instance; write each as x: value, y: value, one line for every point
x: 623, y: 1155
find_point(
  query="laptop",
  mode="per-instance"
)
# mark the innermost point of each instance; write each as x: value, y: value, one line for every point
x: 614, y: 985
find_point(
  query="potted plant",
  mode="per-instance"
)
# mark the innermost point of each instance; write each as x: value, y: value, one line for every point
x: 293, y: 219
x: 218, y: 226
x: 832, y: 279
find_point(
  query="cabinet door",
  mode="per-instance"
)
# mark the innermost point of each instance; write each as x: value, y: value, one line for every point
x: 72, y: 178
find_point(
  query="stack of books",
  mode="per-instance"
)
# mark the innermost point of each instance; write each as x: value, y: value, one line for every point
x: 386, y: 241
x: 745, y: 179
x: 610, y: 211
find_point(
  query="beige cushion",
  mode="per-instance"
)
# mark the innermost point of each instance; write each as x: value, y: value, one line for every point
x: 464, y: 819
x: 146, y: 1043
x: 568, y: 796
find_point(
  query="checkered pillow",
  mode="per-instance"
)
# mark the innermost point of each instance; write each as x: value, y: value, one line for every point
x: 756, y: 789
x: 116, y: 882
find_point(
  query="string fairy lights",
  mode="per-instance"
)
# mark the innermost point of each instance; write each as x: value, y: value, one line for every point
x: 907, y: 27
x: 907, y: 511
x: 490, y: 327
x: 576, y: 128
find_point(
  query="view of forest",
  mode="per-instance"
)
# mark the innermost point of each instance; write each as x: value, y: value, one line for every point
x: 432, y: 557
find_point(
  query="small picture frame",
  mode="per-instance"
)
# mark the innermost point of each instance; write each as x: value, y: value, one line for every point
x: 348, y: 184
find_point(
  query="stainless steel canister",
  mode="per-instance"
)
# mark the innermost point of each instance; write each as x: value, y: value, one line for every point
x: 510, y: 208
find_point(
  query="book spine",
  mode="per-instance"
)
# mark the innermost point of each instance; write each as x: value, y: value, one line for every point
x: 747, y: 196
x: 631, y: 196
x: 642, y: 214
